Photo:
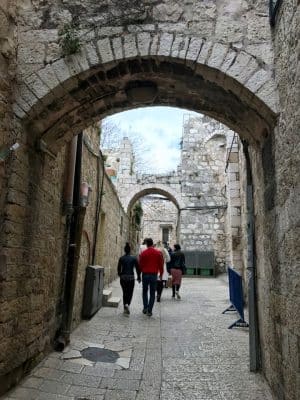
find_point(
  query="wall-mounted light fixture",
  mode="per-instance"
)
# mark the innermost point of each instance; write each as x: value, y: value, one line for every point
x: 141, y: 91
x: 5, y: 151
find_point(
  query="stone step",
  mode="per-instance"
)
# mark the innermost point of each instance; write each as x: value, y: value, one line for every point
x: 113, y: 302
x: 106, y: 296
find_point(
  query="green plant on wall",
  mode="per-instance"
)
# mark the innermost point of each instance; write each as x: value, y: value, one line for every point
x: 68, y: 39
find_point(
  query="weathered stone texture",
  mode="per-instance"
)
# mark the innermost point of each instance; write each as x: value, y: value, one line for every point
x: 111, y: 236
x: 280, y: 333
x: 32, y: 230
x: 34, y: 236
x: 159, y: 214
x: 33, y: 251
x: 209, y: 215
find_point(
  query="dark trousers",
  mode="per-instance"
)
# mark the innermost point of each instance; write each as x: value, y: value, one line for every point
x: 160, y: 286
x: 175, y: 288
x: 149, y: 285
x: 127, y: 287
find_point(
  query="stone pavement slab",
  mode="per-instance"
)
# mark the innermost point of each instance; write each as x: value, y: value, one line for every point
x: 184, y: 352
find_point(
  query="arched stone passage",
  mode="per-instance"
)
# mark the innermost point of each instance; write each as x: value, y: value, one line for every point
x: 144, y: 190
x: 65, y: 96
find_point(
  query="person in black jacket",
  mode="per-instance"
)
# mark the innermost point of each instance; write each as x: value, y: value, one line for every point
x: 177, y: 269
x: 126, y: 266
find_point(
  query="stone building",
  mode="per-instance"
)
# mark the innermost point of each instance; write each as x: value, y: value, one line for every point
x: 235, y: 61
x: 202, y: 192
x: 160, y: 219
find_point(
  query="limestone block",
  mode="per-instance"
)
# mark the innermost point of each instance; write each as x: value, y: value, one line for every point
x: 194, y: 49
x: 257, y: 80
x: 77, y: 63
x: 31, y: 52
x: 130, y: 49
x: 235, y: 221
x: 243, y: 67
x: 22, y: 103
x: 48, y: 76
x: 105, y: 50
x: 229, y: 30
x: 141, y: 28
x: 27, y: 96
x: 218, y: 53
x: 117, y: 48
x: 167, y: 12
x: 235, y: 202
x: 38, y: 35
x: 109, y: 31
x: 91, y: 54
x: 205, y: 49
x: 263, y: 52
x: 36, y: 85
x: 143, y: 42
x: 268, y: 93
x: 258, y: 28
x: 53, y: 52
x: 154, y: 45
x: 165, y: 44
x: 179, y: 46
x: 61, y: 70
x: 172, y: 28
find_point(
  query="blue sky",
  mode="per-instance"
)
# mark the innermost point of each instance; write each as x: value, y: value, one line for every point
x: 161, y: 131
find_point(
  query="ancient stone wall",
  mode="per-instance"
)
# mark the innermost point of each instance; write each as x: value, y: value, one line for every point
x: 32, y: 263
x: 159, y: 213
x: 279, y: 277
x: 198, y: 189
x: 203, y: 159
x: 7, y: 74
x: 215, y: 57
x: 34, y: 252
x: 112, y: 230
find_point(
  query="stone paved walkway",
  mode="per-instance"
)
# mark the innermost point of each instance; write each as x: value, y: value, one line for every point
x: 183, y: 352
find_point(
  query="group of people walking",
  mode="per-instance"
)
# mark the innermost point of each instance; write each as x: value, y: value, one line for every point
x: 154, y: 267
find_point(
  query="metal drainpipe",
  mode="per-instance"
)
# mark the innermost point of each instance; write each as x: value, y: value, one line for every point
x: 99, y: 202
x: 68, y: 212
x: 254, y: 344
x: 69, y: 185
x: 74, y: 228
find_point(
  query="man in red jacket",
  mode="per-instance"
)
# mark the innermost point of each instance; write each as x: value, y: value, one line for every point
x: 151, y: 264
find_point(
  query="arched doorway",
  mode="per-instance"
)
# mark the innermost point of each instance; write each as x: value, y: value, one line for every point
x: 82, y: 95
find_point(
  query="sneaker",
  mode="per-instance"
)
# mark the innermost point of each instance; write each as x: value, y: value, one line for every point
x: 126, y: 309
x: 145, y: 311
x: 178, y: 295
x: 149, y: 314
x: 158, y: 299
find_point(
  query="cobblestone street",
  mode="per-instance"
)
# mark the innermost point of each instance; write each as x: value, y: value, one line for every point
x: 183, y: 352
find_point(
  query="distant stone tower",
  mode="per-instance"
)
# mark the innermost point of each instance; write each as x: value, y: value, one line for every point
x: 126, y: 165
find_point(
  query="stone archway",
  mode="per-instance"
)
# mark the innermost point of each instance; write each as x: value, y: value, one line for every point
x: 60, y: 99
x: 64, y: 97
x: 143, y: 190
x: 213, y: 58
x: 168, y: 212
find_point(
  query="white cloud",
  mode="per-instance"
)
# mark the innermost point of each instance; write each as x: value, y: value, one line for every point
x: 161, y: 132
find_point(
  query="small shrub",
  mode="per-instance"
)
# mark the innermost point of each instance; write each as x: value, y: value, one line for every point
x: 69, y: 40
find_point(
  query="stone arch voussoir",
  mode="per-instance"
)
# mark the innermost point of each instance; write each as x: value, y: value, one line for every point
x: 43, y: 95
